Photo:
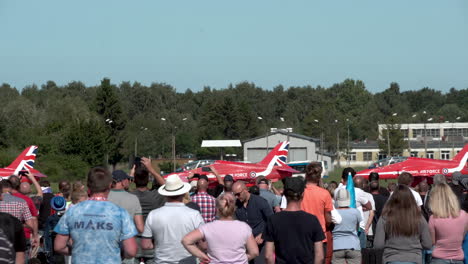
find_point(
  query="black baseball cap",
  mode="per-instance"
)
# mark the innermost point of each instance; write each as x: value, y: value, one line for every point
x: 120, y: 175
x: 228, y: 178
x: 293, y: 186
x: 264, y: 181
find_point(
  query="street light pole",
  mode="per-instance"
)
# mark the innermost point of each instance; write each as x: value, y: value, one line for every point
x: 347, y: 144
x: 173, y: 151
x: 266, y: 128
x: 109, y: 122
x: 136, y: 140
x: 287, y: 136
x: 409, y: 143
x: 337, y: 144
x: 388, y: 137
x: 173, y: 139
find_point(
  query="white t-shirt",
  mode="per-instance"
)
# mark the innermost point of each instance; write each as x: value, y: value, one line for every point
x: 366, y: 214
x: 168, y: 225
x: 417, y: 197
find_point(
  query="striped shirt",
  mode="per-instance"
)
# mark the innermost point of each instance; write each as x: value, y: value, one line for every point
x: 15, y: 206
x: 6, y: 249
x: 207, y: 205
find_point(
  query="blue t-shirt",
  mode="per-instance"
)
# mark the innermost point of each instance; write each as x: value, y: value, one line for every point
x: 345, y: 234
x: 96, y: 228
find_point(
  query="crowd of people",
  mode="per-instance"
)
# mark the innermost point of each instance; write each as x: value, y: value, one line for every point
x: 305, y: 221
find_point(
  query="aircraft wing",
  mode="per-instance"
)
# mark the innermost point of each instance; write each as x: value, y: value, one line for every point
x: 287, y: 170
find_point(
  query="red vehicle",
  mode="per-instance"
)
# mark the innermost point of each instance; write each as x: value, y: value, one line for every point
x: 422, y: 167
x: 273, y: 167
x: 23, y: 163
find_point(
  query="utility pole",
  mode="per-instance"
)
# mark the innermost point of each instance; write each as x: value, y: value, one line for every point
x: 337, y: 144
x: 136, y: 146
x: 322, y: 142
x: 347, y: 145
x: 388, y: 141
x: 173, y: 152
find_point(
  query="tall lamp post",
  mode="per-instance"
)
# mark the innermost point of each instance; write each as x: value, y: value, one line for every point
x: 409, y: 143
x: 108, y: 122
x: 266, y: 128
x: 136, y: 139
x: 347, y: 143
x: 337, y: 143
x: 453, y: 134
x: 388, y: 137
x: 425, y: 134
x: 173, y: 131
x: 321, y: 141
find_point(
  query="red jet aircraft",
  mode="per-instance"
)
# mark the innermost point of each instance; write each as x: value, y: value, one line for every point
x: 273, y: 167
x: 24, y: 162
x: 422, y: 167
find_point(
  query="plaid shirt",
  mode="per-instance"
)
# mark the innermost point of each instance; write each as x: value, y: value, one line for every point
x: 15, y: 206
x: 207, y: 205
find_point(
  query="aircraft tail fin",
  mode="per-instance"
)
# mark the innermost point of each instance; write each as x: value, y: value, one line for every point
x: 25, y: 160
x: 279, y: 153
x: 458, y: 158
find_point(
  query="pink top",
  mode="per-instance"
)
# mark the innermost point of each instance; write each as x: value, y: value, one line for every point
x: 227, y: 241
x: 449, y: 234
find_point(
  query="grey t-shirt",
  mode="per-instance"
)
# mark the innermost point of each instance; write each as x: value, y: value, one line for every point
x: 125, y: 200
x: 345, y: 234
x: 272, y: 200
x: 400, y: 248
x: 149, y: 200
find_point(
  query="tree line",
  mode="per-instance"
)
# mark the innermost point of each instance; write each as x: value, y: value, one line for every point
x: 78, y: 126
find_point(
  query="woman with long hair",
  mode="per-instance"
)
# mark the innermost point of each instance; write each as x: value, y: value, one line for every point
x: 228, y: 240
x: 401, y: 230
x: 447, y: 224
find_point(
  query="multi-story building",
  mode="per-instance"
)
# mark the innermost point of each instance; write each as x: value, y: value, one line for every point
x: 431, y: 140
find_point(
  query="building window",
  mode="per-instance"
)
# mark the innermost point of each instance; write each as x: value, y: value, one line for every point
x: 445, y: 155
x: 418, y: 133
x: 352, y: 156
x: 414, y: 154
x: 405, y: 132
x: 433, y: 132
x: 367, y: 156
x: 382, y: 156
x: 430, y: 155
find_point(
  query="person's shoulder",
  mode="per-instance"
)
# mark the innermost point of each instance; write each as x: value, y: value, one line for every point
x: 322, y: 192
x: 9, y: 217
x: 307, y: 215
x: 242, y: 225
x: 258, y: 198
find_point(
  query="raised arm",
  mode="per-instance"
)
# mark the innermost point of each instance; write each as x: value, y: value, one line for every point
x: 215, y: 172
x: 35, y: 183
x: 147, y: 163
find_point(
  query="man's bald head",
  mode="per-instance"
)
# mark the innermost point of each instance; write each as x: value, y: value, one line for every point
x: 359, y: 182
x: 238, y: 186
x: 25, y: 188
x: 202, y: 185
x: 240, y: 191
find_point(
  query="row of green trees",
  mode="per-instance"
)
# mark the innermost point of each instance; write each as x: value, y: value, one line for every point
x: 77, y: 126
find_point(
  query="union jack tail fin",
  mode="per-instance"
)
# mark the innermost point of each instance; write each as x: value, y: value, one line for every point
x: 460, y: 156
x: 279, y: 153
x: 25, y: 161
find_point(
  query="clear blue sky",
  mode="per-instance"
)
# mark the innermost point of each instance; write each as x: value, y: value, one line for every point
x: 191, y: 44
